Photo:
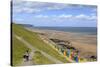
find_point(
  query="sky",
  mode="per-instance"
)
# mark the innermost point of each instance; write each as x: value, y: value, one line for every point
x: 54, y: 14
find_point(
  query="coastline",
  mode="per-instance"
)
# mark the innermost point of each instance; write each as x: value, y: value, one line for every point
x: 86, y: 44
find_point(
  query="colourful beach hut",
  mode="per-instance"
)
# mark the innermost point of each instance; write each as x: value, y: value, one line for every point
x: 64, y: 53
x: 68, y: 52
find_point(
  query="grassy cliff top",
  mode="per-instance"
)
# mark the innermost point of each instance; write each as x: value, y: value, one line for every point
x: 34, y: 40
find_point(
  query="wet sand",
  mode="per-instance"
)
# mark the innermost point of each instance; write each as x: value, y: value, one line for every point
x: 86, y: 44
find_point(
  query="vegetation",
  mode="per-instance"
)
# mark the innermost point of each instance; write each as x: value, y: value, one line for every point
x: 17, y: 51
x: 33, y: 39
x: 38, y: 58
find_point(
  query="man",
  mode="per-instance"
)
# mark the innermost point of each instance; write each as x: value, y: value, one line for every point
x: 26, y: 55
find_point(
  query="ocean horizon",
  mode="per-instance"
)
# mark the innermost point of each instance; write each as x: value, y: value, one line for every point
x: 81, y: 30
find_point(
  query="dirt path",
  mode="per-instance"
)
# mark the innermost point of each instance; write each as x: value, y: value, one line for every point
x: 30, y: 62
x: 32, y: 53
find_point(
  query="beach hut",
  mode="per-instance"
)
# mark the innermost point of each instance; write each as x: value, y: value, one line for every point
x: 64, y: 53
x: 68, y: 52
x: 62, y: 50
x: 76, y: 58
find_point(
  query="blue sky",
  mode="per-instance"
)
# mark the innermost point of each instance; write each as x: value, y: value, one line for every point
x: 54, y: 14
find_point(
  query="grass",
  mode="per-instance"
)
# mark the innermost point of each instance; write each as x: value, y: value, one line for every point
x: 39, y: 59
x: 18, y: 50
x: 36, y: 41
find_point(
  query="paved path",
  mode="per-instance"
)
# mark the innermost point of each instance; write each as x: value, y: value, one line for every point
x: 32, y: 53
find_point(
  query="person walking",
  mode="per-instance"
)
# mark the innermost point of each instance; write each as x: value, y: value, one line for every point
x: 26, y: 55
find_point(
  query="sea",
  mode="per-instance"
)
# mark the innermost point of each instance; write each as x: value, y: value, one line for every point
x: 81, y: 30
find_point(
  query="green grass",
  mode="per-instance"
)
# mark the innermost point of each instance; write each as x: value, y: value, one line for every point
x: 38, y: 58
x: 36, y: 41
x: 18, y: 50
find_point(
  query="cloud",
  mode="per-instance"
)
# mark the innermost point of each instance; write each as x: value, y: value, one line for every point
x: 82, y: 16
x: 20, y: 6
x: 86, y: 17
x: 93, y: 18
x: 25, y: 9
x: 29, y: 6
x: 53, y: 16
x: 69, y: 16
x: 43, y: 12
x: 65, y: 16
x: 24, y: 6
x: 42, y: 16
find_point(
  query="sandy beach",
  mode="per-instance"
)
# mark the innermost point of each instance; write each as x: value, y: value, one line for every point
x: 86, y: 44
